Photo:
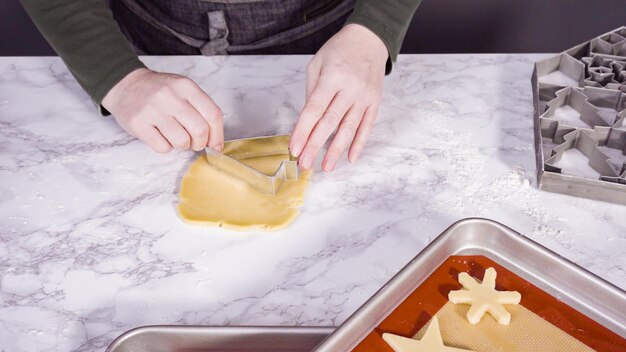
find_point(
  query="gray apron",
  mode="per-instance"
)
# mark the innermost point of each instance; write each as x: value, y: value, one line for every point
x: 219, y: 27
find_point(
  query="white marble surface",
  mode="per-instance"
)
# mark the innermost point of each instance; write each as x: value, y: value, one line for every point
x: 91, y: 246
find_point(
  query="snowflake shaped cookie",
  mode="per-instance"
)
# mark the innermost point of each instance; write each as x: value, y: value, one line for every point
x: 431, y: 342
x: 484, y: 298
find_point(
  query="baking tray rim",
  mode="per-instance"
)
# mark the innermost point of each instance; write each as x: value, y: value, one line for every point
x: 123, y: 338
x: 344, y: 336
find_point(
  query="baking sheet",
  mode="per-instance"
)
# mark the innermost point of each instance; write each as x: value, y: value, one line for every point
x: 595, y: 298
x: 219, y: 338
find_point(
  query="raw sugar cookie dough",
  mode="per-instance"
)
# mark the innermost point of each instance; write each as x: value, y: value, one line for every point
x: 210, y: 197
x: 527, y: 332
x: 430, y: 342
x: 484, y: 298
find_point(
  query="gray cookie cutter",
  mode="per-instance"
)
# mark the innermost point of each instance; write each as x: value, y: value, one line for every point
x: 604, y: 72
x: 588, y: 113
x: 229, y: 162
x: 611, y: 44
x: 587, y: 142
x: 617, y: 134
x: 562, y: 66
x: 590, y: 82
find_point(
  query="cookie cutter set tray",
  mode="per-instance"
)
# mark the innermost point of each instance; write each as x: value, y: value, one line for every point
x: 579, y: 101
x: 581, y: 290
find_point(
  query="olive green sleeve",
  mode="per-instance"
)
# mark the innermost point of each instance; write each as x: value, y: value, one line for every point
x: 389, y: 20
x: 87, y: 38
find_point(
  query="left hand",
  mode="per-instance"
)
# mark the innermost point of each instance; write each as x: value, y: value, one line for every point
x: 343, y: 92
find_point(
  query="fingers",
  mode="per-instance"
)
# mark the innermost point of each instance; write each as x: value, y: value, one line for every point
x: 153, y: 138
x: 345, y: 134
x: 210, y: 112
x: 165, y: 111
x: 313, y: 110
x: 363, y: 132
x: 174, y: 132
x: 324, y: 127
x: 196, y: 126
x: 351, y: 63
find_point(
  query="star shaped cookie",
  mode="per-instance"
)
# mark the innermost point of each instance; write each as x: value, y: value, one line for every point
x: 484, y: 298
x: 431, y: 342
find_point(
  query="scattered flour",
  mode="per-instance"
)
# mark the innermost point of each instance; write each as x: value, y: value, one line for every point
x: 474, y: 193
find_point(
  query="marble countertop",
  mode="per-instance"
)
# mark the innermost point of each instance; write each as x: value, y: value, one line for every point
x: 91, y: 246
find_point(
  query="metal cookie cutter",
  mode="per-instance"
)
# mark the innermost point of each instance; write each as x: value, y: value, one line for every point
x: 585, y: 104
x: 587, y: 143
x: 579, y: 101
x: 229, y: 161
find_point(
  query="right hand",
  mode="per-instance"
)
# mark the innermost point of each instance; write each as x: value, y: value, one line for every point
x: 166, y: 111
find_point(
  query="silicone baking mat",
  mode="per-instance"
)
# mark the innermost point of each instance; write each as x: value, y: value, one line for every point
x: 560, y: 326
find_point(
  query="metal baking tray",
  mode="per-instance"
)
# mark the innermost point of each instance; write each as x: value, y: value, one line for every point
x: 170, y: 338
x: 564, y: 280
x: 595, y: 71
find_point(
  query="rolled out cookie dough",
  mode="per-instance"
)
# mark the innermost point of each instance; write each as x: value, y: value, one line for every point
x: 210, y: 197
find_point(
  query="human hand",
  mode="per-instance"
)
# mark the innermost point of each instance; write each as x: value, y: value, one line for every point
x: 343, y: 92
x: 166, y: 111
